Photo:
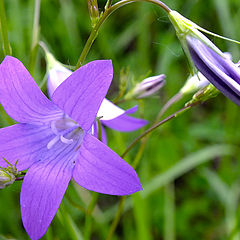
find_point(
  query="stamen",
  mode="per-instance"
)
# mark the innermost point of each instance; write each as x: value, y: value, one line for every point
x: 53, y: 127
x: 65, y: 140
x: 52, y: 142
x: 60, y: 128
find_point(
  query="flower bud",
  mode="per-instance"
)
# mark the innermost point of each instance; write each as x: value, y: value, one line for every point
x: 203, y: 95
x: 6, y: 178
x: 205, y: 57
x: 93, y: 11
x: 147, y: 87
x: 184, y: 28
x: 194, y: 83
x: 57, y: 73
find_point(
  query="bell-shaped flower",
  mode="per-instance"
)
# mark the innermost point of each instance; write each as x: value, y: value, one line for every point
x: 53, y: 139
x: 109, y: 114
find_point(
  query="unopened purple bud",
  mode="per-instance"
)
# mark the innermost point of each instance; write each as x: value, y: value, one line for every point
x: 149, y: 86
x: 205, y: 57
x: 218, y: 69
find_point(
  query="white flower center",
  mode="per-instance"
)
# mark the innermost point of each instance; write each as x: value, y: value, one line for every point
x: 65, y: 130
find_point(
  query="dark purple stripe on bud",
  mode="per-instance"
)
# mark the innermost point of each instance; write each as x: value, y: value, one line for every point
x: 219, y: 70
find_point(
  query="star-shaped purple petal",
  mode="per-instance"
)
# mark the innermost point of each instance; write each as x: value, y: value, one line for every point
x: 111, y: 115
x: 54, y: 140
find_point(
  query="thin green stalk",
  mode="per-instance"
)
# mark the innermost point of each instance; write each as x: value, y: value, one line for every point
x: 4, y: 30
x: 66, y: 220
x: 117, y: 218
x: 108, y: 11
x: 35, y: 36
x: 142, y: 219
x: 74, y: 204
x: 139, y: 153
x: 154, y: 126
x: 168, y: 104
x: 169, y: 212
x: 99, y: 130
x: 88, y: 220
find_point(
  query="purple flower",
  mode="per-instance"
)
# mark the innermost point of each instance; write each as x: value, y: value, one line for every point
x: 111, y: 115
x: 218, y: 69
x: 53, y: 140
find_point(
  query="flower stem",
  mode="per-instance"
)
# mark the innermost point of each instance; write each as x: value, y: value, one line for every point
x: 168, y: 104
x: 74, y: 204
x: 88, y: 220
x: 108, y: 11
x: 117, y: 218
x: 4, y: 31
x: 154, y: 126
x: 35, y: 36
x: 169, y: 212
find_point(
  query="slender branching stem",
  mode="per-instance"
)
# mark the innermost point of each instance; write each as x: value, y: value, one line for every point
x: 117, y: 218
x: 154, y: 126
x: 36, y: 23
x: 4, y: 30
x: 35, y: 36
x: 88, y: 219
x: 76, y: 205
x: 108, y: 11
x: 168, y: 104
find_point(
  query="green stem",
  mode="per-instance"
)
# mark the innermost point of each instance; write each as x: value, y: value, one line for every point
x: 99, y: 130
x: 105, y: 15
x: 44, y: 80
x: 117, y: 218
x: 139, y: 153
x: 169, y: 212
x: 35, y: 36
x: 88, y: 220
x: 4, y: 31
x: 154, y: 126
x: 168, y: 104
x: 76, y: 205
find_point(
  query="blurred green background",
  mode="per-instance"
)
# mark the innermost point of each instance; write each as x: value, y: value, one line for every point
x: 190, y: 167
